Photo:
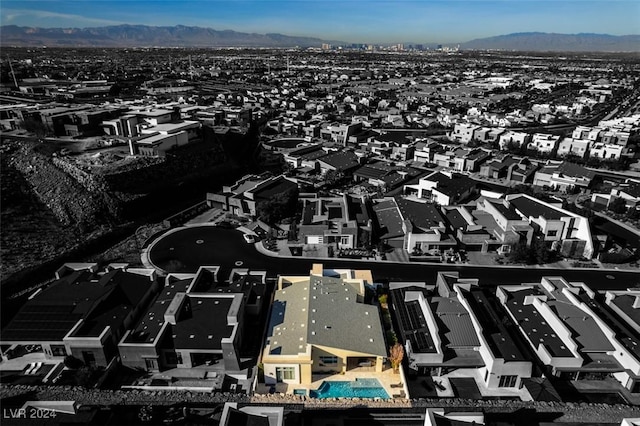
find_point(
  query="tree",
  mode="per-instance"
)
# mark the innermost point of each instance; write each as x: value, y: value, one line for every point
x: 633, y: 214
x: 396, y: 355
x: 72, y: 362
x: 35, y: 126
x: 513, y: 147
x: 84, y: 376
x: 540, y: 252
x: 333, y: 177
x: 617, y: 205
x: 520, y: 253
x: 278, y: 207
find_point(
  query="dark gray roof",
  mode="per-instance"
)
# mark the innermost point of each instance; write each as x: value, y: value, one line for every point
x: 421, y: 215
x: 532, y: 208
x: 623, y: 333
x: 574, y: 170
x: 100, y: 299
x: 151, y: 321
x: 266, y: 190
x: 584, y: 330
x: 632, y: 189
x: 508, y: 212
x: 453, y: 187
x: 534, y: 325
x: 500, y: 340
x: 203, y: 324
x: 625, y: 302
x: 388, y: 218
x: 341, y: 160
x: 456, y: 219
x: 454, y: 323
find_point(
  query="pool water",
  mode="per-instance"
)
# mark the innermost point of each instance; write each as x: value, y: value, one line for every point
x: 361, y: 388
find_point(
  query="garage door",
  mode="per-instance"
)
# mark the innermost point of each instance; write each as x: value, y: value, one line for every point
x: 314, y: 239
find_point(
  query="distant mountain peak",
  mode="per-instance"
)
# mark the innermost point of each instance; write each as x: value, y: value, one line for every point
x: 128, y: 35
x: 539, y: 41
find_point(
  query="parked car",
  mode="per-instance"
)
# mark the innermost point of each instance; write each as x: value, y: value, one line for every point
x: 261, y: 232
x: 250, y: 239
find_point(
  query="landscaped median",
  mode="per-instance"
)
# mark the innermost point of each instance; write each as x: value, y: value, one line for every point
x: 565, y: 411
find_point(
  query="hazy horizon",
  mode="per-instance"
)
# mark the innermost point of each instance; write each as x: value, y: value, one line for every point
x: 353, y: 21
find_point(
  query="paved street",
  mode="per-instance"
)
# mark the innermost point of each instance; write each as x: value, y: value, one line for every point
x: 186, y: 249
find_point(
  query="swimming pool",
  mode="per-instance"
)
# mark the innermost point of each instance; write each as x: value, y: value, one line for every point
x: 360, y: 388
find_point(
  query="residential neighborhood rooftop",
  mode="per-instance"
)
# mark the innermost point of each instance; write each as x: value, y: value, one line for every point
x: 530, y: 207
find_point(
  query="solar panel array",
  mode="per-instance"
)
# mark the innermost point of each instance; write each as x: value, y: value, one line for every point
x: 413, y: 324
x: 36, y: 322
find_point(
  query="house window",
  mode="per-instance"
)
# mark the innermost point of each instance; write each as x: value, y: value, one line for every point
x: 552, y: 233
x: 173, y: 358
x: 508, y: 381
x: 151, y: 363
x: 344, y: 240
x: 58, y: 350
x: 329, y: 360
x: 505, y: 248
x: 89, y: 358
x: 285, y: 373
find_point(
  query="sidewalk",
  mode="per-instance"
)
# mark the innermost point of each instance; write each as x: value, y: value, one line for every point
x: 398, y: 255
x: 489, y: 262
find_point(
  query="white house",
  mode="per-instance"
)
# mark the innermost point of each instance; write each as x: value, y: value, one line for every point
x: 514, y: 138
x: 570, y: 146
x: 463, y: 132
x: 606, y: 151
x: 543, y: 142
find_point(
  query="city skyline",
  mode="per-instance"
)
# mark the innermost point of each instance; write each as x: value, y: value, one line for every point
x: 353, y: 22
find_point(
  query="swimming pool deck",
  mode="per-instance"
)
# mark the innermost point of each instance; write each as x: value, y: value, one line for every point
x: 386, y: 379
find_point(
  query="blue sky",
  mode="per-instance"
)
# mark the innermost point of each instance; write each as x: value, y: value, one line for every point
x: 365, y: 21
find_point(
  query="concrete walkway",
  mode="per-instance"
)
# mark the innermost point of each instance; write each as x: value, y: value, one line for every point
x: 211, y: 215
x: 398, y: 255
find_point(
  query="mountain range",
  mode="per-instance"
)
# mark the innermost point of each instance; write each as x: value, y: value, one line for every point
x: 147, y: 36
x: 583, y: 42
x: 186, y: 36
